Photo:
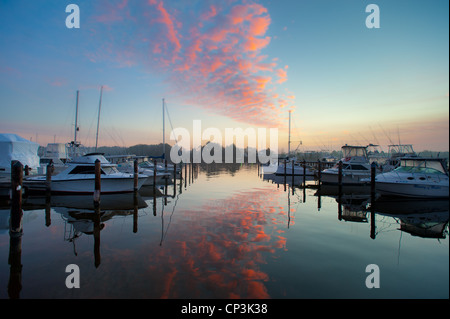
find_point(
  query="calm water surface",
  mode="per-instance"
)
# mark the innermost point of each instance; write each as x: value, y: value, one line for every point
x: 227, y: 234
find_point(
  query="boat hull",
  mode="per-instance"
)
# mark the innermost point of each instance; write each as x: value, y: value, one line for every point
x: 412, y: 190
x: 298, y: 171
x: 84, y: 186
x: 87, y: 186
x: 332, y: 178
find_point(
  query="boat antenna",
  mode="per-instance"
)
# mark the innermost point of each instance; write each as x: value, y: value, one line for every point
x: 98, y: 118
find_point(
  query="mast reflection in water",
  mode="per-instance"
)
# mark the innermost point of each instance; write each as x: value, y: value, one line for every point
x: 225, y: 232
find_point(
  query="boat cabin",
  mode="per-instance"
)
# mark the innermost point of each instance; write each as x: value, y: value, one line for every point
x: 354, y: 151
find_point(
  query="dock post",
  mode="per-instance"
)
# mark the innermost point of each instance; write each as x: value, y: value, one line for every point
x: 135, y: 212
x: 15, y: 227
x: 292, y: 174
x: 174, y: 179
x: 154, y: 175
x: 97, y: 189
x: 340, y: 173
x: 48, y: 179
x: 304, y: 173
x: 319, y: 172
x: 27, y: 170
x: 136, y: 175
x: 373, y: 168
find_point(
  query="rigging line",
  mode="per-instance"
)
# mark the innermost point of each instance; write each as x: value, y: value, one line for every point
x: 170, y: 218
x: 170, y: 121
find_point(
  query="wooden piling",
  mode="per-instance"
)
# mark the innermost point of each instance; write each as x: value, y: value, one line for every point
x: 292, y: 174
x: 97, y: 189
x: 136, y: 175
x: 154, y: 175
x: 340, y: 173
x: 319, y: 171
x: 16, y: 198
x: 373, y: 168
x: 135, y: 212
x: 48, y: 179
x: 174, y: 180
x: 304, y: 173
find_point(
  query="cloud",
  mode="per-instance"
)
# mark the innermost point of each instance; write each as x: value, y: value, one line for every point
x: 210, y: 52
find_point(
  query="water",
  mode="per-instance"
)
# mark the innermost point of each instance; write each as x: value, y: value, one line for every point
x: 229, y: 234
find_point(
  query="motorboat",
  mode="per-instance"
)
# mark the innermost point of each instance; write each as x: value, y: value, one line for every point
x: 396, y: 152
x: 79, y: 177
x: 285, y: 168
x: 418, y: 177
x: 355, y: 167
x: 146, y: 168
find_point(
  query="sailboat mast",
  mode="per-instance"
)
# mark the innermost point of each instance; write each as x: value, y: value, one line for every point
x: 289, y: 141
x: 76, y: 120
x: 164, y: 131
x: 98, y: 118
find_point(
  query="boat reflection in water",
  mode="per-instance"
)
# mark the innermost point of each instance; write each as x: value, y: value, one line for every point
x: 423, y: 218
x: 229, y: 234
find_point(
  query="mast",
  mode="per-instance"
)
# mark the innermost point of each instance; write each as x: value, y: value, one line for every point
x: 164, y: 130
x: 76, y: 120
x: 98, y: 119
x: 289, y: 141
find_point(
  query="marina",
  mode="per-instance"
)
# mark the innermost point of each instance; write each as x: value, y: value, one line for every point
x: 227, y: 231
x: 231, y: 156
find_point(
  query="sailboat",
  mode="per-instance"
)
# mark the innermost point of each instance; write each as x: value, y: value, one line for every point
x: 298, y: 169
x: 74, y: 147
x: 169, y: 168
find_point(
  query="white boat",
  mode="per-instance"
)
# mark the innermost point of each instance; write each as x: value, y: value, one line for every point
x: 298, y: 169
x: 395, y: 153
x: 355, y: 167
x: 79, y: 177
x: 417, y: 177
x: 160, y: 168
x: 146, y: 168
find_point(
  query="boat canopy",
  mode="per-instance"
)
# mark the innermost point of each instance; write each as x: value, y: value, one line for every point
x: 91, y: 158
x: 423, y: 165
x: 350, y: 151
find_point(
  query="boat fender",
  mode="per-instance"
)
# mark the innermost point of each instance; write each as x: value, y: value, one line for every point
x: 348, y: 158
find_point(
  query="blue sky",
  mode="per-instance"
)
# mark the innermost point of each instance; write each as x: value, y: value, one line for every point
x: 229, y: 63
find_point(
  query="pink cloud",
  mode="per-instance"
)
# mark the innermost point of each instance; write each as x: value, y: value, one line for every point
x: 282, y: 74
x: 215, y: 63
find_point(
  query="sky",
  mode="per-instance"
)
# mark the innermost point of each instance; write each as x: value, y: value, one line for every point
x: 231, y: 64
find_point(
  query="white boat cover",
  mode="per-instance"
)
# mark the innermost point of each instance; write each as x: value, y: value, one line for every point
x: 14, y: 147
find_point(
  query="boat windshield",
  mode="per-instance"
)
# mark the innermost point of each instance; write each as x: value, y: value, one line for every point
x: 350, y: 151
x: 421, y: 166
x: 401, y: 149
x: 146, y: 164
x: 109, y: 170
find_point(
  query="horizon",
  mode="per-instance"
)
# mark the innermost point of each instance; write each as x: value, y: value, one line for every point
x: 231, y: 64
